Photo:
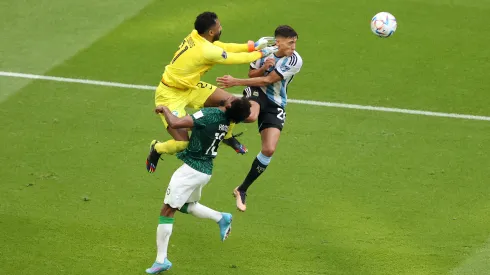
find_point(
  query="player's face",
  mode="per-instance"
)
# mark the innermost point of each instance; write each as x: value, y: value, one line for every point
x: 286, y: 45
x: 215, y: 31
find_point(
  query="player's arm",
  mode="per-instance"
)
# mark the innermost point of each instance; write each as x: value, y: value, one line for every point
x: 248, y: 47
x: 222, y: 57
x: 228, y: 81
x: 279, y: 73
x: 234, y: 47
x: 256, y: 71
x: 173, y: 121
x: 216, y: 55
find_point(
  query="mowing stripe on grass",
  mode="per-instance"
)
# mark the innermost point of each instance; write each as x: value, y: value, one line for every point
x: 478, y: 263
x: 297, y: 101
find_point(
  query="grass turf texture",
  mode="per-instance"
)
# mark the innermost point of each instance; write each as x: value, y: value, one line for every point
x: 347, y: 192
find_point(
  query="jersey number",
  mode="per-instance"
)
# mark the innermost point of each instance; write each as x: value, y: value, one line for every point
x: 189, y: 43
x: 180, y: 53
x: 282, y: 114
x: 214, y: 145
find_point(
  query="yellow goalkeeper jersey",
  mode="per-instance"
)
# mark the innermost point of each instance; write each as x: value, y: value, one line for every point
x: 196, y: 55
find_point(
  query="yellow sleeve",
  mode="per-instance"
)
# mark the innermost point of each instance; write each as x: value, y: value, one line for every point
x: 235, y: 48
x: 217, y: 55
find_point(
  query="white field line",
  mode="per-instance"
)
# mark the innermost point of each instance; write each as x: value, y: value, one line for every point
x: 297, y: 101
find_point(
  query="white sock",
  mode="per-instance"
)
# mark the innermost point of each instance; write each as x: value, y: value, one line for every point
x: 163, y: 236
x: 203, y: 212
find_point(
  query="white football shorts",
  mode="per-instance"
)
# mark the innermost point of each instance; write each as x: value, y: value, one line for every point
x: 185, y: 186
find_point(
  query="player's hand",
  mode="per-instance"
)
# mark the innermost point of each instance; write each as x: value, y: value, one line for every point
x: 264, y: 42
x: 269, y: 50
x: 269, y: 63
x: 226, y: 81
x: 160, y: 109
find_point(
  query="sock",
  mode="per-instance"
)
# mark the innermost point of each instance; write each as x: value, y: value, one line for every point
x: 171, y: 146
x: 230, y: 131
x: 164, y: 230
x: 200, y: 211
x: 258, y: 167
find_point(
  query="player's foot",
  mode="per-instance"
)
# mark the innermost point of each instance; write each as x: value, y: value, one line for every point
x: 157, y: 267
x: 235, y: 144
x: 240, y: 199
x: 225, y: 226
x: 153, y: 157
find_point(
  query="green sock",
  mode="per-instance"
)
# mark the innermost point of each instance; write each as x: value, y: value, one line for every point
x: 166, y: 220
x: 183, y: 209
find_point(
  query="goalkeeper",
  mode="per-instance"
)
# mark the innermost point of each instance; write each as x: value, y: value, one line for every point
x: 180, y: 86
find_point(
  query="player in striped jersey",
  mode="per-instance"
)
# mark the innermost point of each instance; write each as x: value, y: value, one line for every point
x: 267, y: 91
x: 181, y: 86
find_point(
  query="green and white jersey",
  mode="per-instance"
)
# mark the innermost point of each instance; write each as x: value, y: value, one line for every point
x: 210, y: 127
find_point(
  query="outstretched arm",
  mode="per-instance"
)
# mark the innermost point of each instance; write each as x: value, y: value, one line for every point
x: 216, y: 55
x: 234, y: 47
x: 238, y: 58
x: 246, y: 47
x: 173, y: 121
x: 228, y: 81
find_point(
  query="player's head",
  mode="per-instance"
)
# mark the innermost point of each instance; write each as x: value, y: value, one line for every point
x: 208, y: 26
x: 286, y: 40
x: 237, y: 109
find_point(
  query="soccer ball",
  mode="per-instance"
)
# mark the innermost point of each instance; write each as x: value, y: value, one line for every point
x: 383, y: 24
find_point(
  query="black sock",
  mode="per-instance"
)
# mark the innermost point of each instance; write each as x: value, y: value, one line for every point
x: 257, y: 169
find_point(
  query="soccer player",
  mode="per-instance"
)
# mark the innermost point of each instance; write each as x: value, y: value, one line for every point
x: 209, y: 126
x: 267, y: 90
x: 181, y: 87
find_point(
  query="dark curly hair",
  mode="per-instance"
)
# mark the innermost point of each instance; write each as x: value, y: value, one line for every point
x: 205, y: 21
x: 239, y: 110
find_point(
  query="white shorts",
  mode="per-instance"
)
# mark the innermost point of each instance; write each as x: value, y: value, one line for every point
x: 185, y: 186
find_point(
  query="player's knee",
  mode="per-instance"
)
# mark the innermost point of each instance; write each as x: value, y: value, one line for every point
x: 168, y: 211
x: 268, y: 150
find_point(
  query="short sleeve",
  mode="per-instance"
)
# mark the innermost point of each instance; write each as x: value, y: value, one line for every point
x: 292, y: 67
x: 201, y: 118
x: 255, y: 64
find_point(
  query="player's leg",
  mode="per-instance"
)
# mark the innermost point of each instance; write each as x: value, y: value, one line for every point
x: 170, y: 147
x: 203, y: 212
x: 209, y: 95
x: 164, y: 230
x: 271, y: 122
x: 270, y: 138
x: 198, y: 210
x: 176, y: 102
x: 217, y: 97
x: 182, y: 185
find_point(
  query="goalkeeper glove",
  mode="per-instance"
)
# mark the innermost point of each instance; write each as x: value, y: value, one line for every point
x: 261, y: 43
x: 269, y: 50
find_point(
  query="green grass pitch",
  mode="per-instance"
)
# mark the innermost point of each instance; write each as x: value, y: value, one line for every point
x: 347, y: 192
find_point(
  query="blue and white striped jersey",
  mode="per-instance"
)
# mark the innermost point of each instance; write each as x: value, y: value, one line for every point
x: 287, y: 67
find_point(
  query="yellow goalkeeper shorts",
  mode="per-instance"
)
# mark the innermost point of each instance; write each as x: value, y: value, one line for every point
x: 177, y: 100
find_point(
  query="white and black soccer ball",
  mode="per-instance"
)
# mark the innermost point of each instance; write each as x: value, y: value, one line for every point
x: 383, y: 24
